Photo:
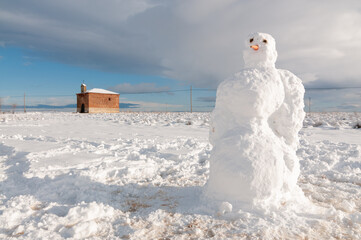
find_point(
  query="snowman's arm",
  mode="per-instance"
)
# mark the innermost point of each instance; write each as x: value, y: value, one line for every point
x: 288, y: 120
x: 294, y: 97
x: 234, y: 104
x: 212, y: 128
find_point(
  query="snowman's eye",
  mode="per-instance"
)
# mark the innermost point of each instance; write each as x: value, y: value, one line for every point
x: 251, y: 40
x: 264, y: 40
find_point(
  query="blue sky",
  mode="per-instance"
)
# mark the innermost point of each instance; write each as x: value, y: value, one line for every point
x: 47, y: 48
x: 37, y: 76
x: 49, y: 82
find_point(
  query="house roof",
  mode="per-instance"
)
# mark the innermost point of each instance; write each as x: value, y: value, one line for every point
x: 99, y: 90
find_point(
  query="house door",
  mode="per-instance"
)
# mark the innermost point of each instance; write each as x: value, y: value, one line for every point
x: 82, y: 110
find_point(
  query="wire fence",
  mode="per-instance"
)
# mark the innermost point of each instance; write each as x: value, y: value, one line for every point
x: 181, y: 100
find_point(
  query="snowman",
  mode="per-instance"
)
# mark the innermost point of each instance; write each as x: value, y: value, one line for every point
x: 254, y: 131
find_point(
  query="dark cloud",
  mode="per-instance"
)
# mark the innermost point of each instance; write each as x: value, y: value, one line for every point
x: 198, y: 42
x: 125, y: 88
x: 128, y: 105
x: 333, y: 84
x: 353, y: 107
x: 206, y: 99
x: 334, y: 99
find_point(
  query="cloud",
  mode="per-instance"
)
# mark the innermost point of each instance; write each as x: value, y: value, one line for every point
x: 198, y: 42
x: 30, y: 58
x: 332, y: 83
x: 35, y: 100
x: 350, y: 106
x: 206, y: 99
x: 128, y: 105
x: 154, y: 106
x: 125, y: 88
x: 333, y: 99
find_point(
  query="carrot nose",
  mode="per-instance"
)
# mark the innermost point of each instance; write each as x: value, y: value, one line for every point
x: 255, y: 47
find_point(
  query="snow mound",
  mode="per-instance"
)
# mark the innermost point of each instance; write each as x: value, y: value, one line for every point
x: 86, y: 220
x: 76, y: 176
x: 333, y: 120
x: 99, y: 90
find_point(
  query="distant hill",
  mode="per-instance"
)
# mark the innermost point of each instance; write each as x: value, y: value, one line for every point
x: 44, y: 106
x: 7, y: 107
x: 52, y: 107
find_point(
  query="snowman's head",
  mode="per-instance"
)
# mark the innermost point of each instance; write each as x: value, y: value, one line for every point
x: 260, y: 51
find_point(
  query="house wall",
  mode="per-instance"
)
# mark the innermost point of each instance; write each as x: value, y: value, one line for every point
x: 82, y: 98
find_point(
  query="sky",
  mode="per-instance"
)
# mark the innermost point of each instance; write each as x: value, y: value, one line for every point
x: 48, y: 48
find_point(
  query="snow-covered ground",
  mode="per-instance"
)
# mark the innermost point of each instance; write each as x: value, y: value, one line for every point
x: 140, y: 176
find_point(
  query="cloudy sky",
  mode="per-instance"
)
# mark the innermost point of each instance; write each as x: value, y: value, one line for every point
x: 50, y: 47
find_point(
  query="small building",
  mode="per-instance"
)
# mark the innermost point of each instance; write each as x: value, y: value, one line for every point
x: 97, y: 100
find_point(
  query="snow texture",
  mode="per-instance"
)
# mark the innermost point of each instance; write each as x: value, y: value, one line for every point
x: 141, y: 175
x: 99, y: 90
x: 254, y: 132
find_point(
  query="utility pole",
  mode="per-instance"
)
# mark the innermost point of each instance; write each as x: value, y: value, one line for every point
x: 191, y: 99
x: 24, y: 104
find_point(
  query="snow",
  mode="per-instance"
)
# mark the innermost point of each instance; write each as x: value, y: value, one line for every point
x: 254, y: 132
x: 99, y: 90
x: 141, y: 175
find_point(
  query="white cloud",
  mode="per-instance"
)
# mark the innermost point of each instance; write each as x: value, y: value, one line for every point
x: 198, y: 42
x: 55, y: 101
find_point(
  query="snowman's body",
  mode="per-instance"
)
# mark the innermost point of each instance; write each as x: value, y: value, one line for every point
x: 254, y: 129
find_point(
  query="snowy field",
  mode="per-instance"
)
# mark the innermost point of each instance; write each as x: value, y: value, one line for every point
x: 140, y: 176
